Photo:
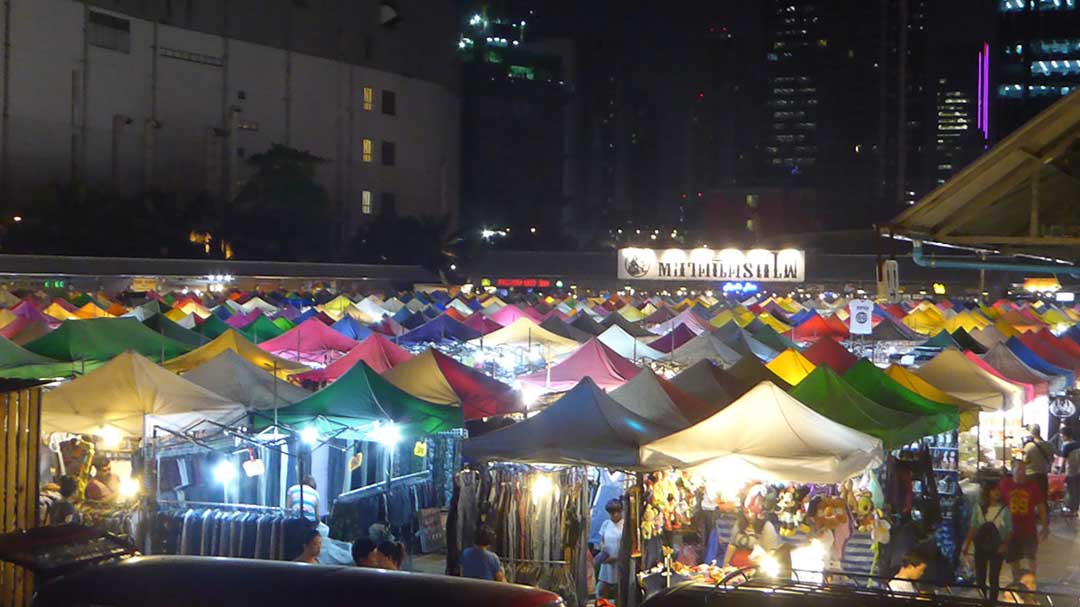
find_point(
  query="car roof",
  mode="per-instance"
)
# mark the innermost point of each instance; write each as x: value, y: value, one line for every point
x: 187, y: 581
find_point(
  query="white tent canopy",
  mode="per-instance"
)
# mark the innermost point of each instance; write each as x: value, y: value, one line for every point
x: 233, y: 377
x: 766, y: 434
x: 616, y: 338
x: 954, y: 374
x: 128, y: 392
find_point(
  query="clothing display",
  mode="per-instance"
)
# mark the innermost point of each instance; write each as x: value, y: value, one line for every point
x: 218, y: 532
x: 353, y: 514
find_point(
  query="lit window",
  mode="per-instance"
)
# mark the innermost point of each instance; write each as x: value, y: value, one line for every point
x: 749, y: 225
x: 365, y: 202
x: 369, y: 101
x: 752, y: 201
x: 369, y: 150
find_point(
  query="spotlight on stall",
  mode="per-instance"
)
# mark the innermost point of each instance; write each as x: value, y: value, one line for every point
x: 386, y: 434
x: 770, y: 566
x: 542, y: 487
x: 129, y: 487
x: 111, y: 437
x: 310, y: 435
x: 224, y: 472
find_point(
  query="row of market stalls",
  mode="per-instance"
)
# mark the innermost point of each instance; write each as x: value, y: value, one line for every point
x: 219, y: 404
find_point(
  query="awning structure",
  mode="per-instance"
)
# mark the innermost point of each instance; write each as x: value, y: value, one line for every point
x: 1022, y: 194
x: 629, y: 347
x: 791, y: 366
x: 310, y: 341
x: 768, y: 434
x: 231, y: 340
x: 128, y: 391
x: 237, y: 379
x: 705, y: 347
x: 593, y: 360
x: 661, y: 402
x: 377, y: 351
x: 955, y: 374
x: 527, y: 334
x: 100, y: 339
x: 435, y: 377
x: 700, y: 380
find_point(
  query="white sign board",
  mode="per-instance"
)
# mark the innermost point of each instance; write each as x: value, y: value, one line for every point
x: 860, y: 318
x: 759, y: 265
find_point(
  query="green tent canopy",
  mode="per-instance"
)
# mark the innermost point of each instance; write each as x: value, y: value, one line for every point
x: 825, y: 392
x: 16, y: 362
x: 875, y: 384
x: 261, y: 329
x: 213, y: 327
x: 283, y: 323
x: 768, y: 336
x: 81, y: 300
x: 100, y: 339
x: 941, y: 340
x: 163, y: 326
x: 357, y: 400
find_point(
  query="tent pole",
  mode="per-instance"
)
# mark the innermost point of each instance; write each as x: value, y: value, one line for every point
x: 275, y: 397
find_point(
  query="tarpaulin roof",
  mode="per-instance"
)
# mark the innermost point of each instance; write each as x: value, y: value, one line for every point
x: 738, y: 339
x: 888, y: 329
x: 163, y: 326
x: 348, y: 407
x: 562, y: 329
x: 435, y: 377
x: 941, y: 340
x: 631, y: 328
x: 616, y: 338
x: 367, y: 311
x: 674, y: 339
x: 17, y: 362
x: 509, y: 315
x: 262, y: 329
x: 767, y: 434
x: 825, y: 392
x: 377, y: 351
x: 705, y: 347
x: 969, y: 411
x: 816, y: 327
x: 92, y: 310
x: 233, y: 377
x: 23, y: 330
x: 310, y: 341
x: 745, y: 374
x: 938, y: 416
x: 124, y: 390
x: 57, y: 311
x: 594, y: 360
x: 586, y: 323
x: 1049, y: 352
x: 952, y: 372
x: 1012, y: 366
x: 791, y: 366
x: 481, y: 323
x: 213, y: 326
x: 100, y: 339
x: 232, y: 340
x: 1037, y: 362
x: 584, y: 427
x: 283, y: 323
x: 827, y: 352
x: 661, y: 402
x: 526, y: 333
x: 701, y: 381
x: 967, y: 342
x: 442, y: 328
x: 988, y: 337
x: 1030, y: 389
x: 351, y: 328
x: 777, y: 341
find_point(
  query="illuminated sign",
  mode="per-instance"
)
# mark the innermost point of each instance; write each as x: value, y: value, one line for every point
x: 54, y: 284
x: 740, y: 287
x: 1065, y: 296
x: 788, y: 265
x: 510, y: 283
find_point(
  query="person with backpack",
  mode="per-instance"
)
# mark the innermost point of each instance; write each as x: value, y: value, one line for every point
x: 1070, y: 452
x: 989, y: 533
x: 1038, y: 455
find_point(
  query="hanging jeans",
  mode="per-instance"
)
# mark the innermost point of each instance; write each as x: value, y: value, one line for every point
x: 988, y: 565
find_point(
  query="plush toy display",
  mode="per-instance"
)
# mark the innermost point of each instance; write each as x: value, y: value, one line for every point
x: 787, y: 512
x: 864, y: 511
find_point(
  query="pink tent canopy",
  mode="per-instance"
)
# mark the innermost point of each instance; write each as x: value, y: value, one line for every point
x: 481, y: 323
x: 594, y: 360
x: 511, y: 313
x: 378, y: 352
x: 241, y: 320
x: 310, y: 341
x: 29, y: 310
x: 390, y: 327
x: 677, y: 337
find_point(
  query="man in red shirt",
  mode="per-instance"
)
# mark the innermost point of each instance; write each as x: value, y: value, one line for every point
x: 1026, y: 502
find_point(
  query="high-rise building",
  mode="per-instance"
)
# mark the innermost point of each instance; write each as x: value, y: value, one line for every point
x: 1035, y: 60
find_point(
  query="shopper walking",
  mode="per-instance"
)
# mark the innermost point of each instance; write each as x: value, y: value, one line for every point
x: 989, y: 533
x: 1026, y: 504
x: 1038, y: 455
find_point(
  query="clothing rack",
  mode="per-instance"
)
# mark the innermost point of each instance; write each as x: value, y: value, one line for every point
x: 534, y: 561
x: 222, y: 505
x: 408, y: 480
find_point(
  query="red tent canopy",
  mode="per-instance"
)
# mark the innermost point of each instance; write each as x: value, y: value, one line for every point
x: 1050, y: 352
x: 827, y: 352
x: 816, y: 327
x: 311, y: 341
x: 378, y: 352
x: 481, y: 323
x: 453, y: 313
x: 593, y: 359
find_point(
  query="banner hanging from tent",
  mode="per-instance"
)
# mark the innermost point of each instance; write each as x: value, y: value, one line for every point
x: 788, y: 265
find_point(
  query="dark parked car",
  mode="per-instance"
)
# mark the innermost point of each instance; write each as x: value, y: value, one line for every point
x: 93, y: 569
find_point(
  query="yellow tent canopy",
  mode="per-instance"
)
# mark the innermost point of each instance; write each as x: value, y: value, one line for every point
x: 59, y: 312
x: 969, y: 412
x: 722, y: 318
x: 193, y: 307
x: 338, y: 304
x: 231, y: 340
x: 91, y: 310
x: 6, y: 316
x: 176, y: 314
x: 524, y: 332
x: 421, y: 377
x: 773, y: 322
x: 925, y: 322
x: 791, y: 366
x: 631, y: 313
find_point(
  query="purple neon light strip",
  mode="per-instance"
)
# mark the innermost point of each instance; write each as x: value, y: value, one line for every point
x: 979, y: 92
x: 986, y: 91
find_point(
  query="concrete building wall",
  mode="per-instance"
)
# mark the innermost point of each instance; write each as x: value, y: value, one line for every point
x: 186, y: 116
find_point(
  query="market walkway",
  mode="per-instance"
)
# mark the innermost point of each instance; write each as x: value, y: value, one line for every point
x: 1059, y: 557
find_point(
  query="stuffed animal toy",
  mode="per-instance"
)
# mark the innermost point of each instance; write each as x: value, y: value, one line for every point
x: 649, y: 522
x: 880, y: 531
x: 787, y: 508
x: 802, y: 495
x: 864, y: 511
x: 831, y: 513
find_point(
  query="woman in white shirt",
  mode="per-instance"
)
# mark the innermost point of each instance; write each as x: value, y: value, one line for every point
x: 989, y: 533
x: 610, y: 541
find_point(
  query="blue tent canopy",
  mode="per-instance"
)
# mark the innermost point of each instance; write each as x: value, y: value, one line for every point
x: 443, y: 328
x: 351, y: 328
x: 1036, y: 362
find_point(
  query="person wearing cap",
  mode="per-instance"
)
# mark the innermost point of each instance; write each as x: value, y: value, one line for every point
x: 1038, y: 455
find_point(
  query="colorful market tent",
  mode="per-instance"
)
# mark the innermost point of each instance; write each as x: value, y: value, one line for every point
x: 791, y: 366
x: 584, y: 427
x: 827, y: 352
x: 700, y: 380
x: 941, y: 340
x: 739, y: 340
x: 238, y: 380
x: 630, y: 348
x: 23, y: 330
x: 351, y: 328
x: 100, y: 339
x: 767, y: 434
x: 631, y: 328
x: 704, y: 347
x: 443, y: 328
x: 232, y: 340
x: 130, y: 393
x: 594, y: 360
x: 525, y: 333
x: 358, y: 402
x: 1031, y: 389
x: 825, y: 392
x: 435, y: 377
x: 876, y: 385
x: 1012, y: 366
x: 377, y: 351
x: 955, y: 374
x: 1050, y: 352
x: 967, y: 342
x: 563, y: 329
x: 586, y: 323
x: 161, y: 325
x: 1036, y: 362
x: 741, y: 377
x: 988, y: 337
x: 816, y: 327
x: 674, y: 339
x: 261, y: 329
x: 509, y: 315
x: 661, y: 402
x: 687, y: 318
x: 213, y: 326
x: 969, y: 412
x: 777, y: 341
x: 481, y: 323
x: 310, y: 341
x: 889, y: 329
x: 17, y: 362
